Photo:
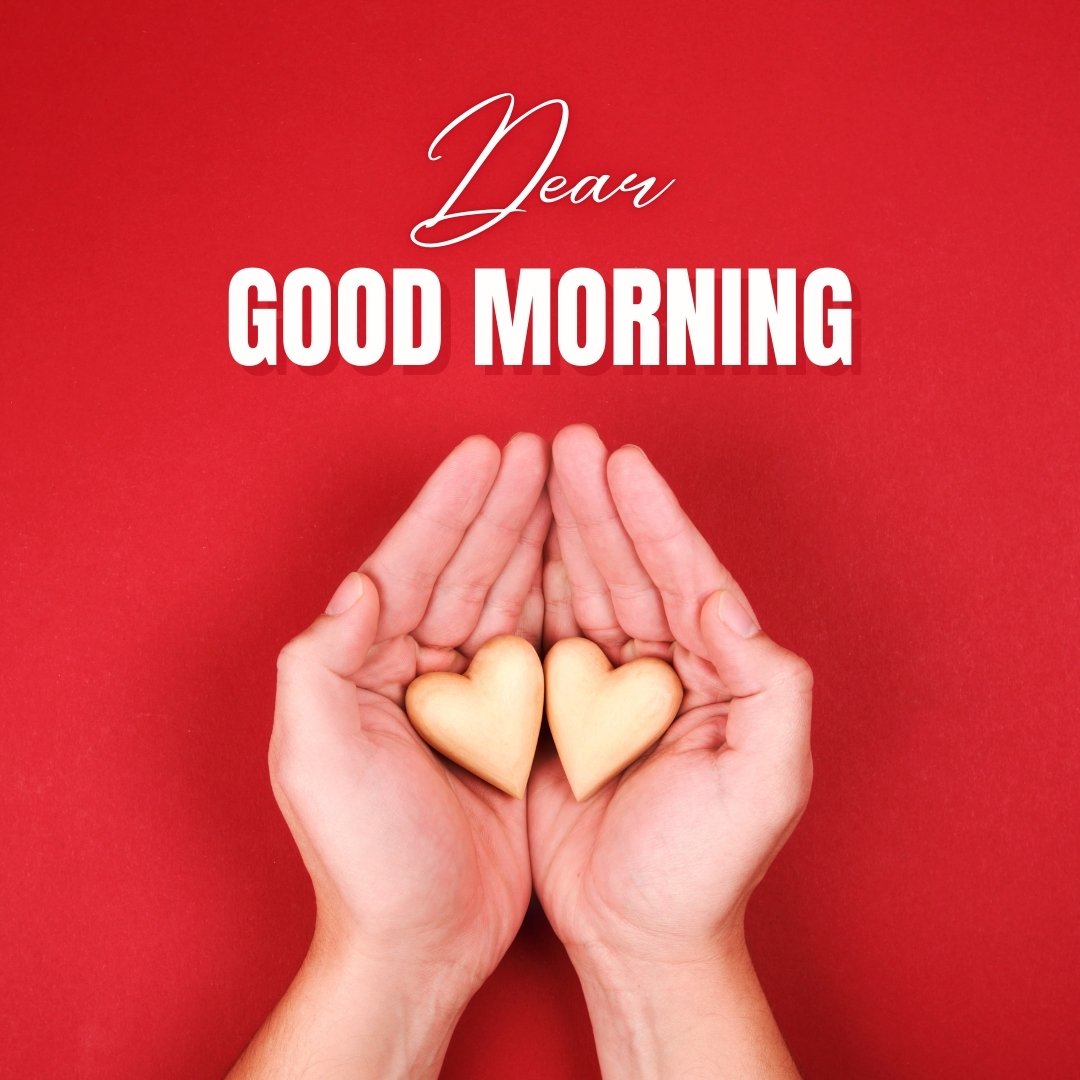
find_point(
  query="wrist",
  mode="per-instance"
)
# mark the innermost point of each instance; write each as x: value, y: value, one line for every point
x: 701, y: 1016
x: 402, y: 970
x: 624, y: 987
x: 394, y: 1012
x: 617, y: 946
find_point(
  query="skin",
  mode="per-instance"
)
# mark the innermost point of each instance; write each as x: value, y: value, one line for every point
x: 422, y: 872
x: 647, y: 882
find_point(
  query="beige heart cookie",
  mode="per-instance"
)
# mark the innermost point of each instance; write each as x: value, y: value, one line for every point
x: 487, y: 720
x: 603, y: 718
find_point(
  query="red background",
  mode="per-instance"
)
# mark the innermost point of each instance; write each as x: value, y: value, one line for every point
x: 171, y: 518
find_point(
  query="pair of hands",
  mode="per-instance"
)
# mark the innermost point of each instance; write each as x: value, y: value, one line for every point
x: 423, y: 872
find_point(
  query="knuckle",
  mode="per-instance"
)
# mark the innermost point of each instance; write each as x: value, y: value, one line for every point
x: 471, y: 589
x: 504, y: 607
x: 532, y: 541
x: 631, y: 590
x: 294, y: 654
x: 500, y: 526
x: 606, y: 635
x: 796, y: 673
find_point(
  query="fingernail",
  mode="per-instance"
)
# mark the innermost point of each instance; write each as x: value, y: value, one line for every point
x: 735, y: 617
x: 634, y: 446
x: 348, y: 592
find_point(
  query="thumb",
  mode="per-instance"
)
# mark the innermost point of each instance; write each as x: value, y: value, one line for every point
x: 337, y: 642
x: 769, y: 717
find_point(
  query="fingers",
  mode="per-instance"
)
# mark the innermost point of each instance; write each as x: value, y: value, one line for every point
x: 316, y: 669
x: 579, y: 460
x: 514, y: 603
x: 672, y: 551
x: 559, y: 621
x: 408, y: 562
x: 590, y: 600
x: 338, y: 641
x: 458, y: 595
x: 531, y: 619
x: 769, y: 717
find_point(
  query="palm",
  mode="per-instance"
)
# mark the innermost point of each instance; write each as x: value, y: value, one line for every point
x: 467, y: 865
x: 628, y: 570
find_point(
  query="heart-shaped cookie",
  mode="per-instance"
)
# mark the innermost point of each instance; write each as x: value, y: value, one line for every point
x: 601, y: 717
x: 487, y: 720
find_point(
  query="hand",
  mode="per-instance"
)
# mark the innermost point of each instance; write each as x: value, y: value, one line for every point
x: 421, y: 871
x: 648, y: 880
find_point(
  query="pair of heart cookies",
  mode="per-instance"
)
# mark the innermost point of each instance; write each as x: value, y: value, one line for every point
x: 601, y: 718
